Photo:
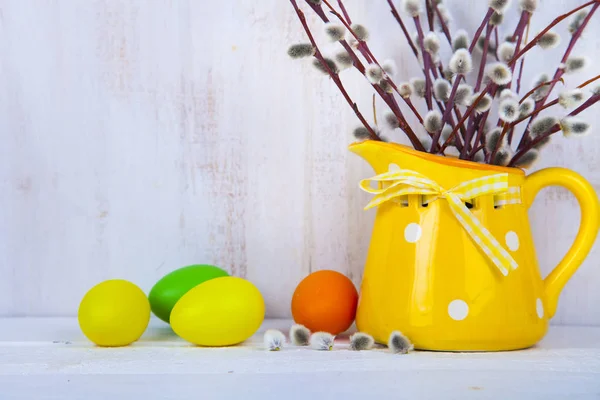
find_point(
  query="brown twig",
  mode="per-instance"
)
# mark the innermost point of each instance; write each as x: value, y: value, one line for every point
x: 363, y: 47
x: 539, y: 86
x: 531, y: 144
x: 341, y: 4
x: 442, y: 22
x: 334, y: 76
x: 426, y: 63
x: 486, y: 43
x: 403, y: 27
x: 485, y: 21
x: 559, y: 71
x: 523, y: 59
x: 552, y: 24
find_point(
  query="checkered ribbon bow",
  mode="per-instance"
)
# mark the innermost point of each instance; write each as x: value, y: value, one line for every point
x: 404, y: 182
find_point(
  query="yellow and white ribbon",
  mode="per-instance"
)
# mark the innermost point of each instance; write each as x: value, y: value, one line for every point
x: 404, y: 182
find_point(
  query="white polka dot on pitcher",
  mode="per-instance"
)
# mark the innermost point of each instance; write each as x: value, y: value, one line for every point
x: 512, y: 240
x: 458, y: 310
x: 539, y: 307
x: 393, y: 167
x: 412, y: 232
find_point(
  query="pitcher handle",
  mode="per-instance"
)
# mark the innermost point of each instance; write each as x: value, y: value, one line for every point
x: 588, y: 227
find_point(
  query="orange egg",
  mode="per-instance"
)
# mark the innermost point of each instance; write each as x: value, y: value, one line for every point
x: 325, y: 301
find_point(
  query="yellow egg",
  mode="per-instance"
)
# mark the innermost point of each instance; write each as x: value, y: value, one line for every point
x: 114, y: 313
x: 219, y: 312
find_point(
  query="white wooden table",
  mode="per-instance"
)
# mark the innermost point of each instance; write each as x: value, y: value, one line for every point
x: 49, y: 358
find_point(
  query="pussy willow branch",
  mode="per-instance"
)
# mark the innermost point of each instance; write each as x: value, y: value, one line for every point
x: 442, y: 22
x: 468, y: 136
x: 491, y: 86
x: 363, y: 47
x: 486, y: 43
x: 520, y: 152
x: 523, y: 21
x: 416, y: 53
x: 426, y: 63
x: 333, y: 76
x: 388, y: 98
x: 485, y: 21
x: 546, y: 29
x: 541, y: 107
x: 403, y: 27
x: 521, y: 65
x: 560, y: 71
x: 497, y: 42
x: 341, y: 4
x: 429, y: 12
x: 523, y: 59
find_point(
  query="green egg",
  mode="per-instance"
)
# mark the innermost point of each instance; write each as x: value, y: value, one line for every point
x: 167, y: 291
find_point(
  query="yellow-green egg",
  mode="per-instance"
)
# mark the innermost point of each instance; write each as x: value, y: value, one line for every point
x: 219, y: 312
x: 114, y: 313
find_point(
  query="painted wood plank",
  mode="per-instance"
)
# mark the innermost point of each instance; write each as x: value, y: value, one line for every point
x: 138, y: 137
x: 49, y: 358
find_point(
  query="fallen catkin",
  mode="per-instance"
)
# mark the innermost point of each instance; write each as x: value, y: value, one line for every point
x: 361, y: 341
x: 322, y: 341
x: 274, y: 340
x: 300, y: 335
x: 399, y: 344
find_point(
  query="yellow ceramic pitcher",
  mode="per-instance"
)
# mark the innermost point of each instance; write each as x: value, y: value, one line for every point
x: 434, y: 272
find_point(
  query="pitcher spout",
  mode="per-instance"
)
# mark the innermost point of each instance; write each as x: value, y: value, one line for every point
x: 379, y: 154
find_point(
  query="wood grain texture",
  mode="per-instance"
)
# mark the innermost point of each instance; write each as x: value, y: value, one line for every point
x: 141, y: 136
x: 48, y: 358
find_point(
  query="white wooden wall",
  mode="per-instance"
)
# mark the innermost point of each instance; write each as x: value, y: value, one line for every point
x: 138, y: 136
